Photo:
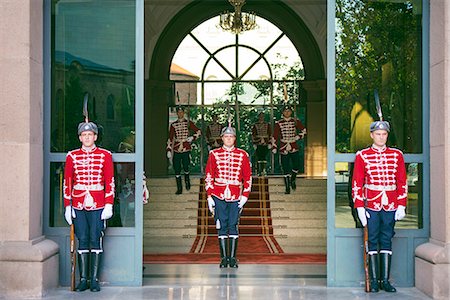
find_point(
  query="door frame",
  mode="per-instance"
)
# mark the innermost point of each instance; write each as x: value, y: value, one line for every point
x: 116, y: 236
x: 345, y: 245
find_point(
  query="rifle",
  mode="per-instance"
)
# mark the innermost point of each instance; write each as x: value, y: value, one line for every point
x: 73, y: 253
x: 366, y: 252
x: 73, y: 257
x: 366, y: 260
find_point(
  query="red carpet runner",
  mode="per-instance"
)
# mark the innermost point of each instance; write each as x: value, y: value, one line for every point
x: 256, y: 241
x: 255, y: 226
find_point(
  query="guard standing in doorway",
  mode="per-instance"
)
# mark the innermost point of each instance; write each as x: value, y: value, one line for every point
x: 288, y: 131
x: 261, y: 133
x: 179, y: 147
x: 88, y: 200
x: 228, y: 182
x: 213, y: 131
x: 380, y: 192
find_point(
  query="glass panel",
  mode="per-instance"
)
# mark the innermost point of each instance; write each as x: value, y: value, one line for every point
x: 378, y: 47
x: 186, y: 93
x: 262, y: 37
x: 188, y: 60
x: 260, y: 71
x: 227, y: 57
x: 285, y: 60
x: 211, y: 36
x: 99, y: 62
x: 124, y: 201
x: 346, y: 217
x: 251, y: 94
x: 216, y: 92
x: 214, y: 71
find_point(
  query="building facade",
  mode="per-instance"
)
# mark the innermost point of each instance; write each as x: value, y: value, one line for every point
x: 132, y: 95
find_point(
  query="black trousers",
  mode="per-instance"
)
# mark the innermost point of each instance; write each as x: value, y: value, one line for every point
x: 181, y: 158
x: 89, y: 229
x: 290, y: 162
x: 261, y: 152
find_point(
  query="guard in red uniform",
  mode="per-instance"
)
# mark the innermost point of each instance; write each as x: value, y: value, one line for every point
x: 88, y: 201
x: 213, y: 131
x: 380, y: 193
x: 288, y: 130
x: 228, y: 182
x: 179, y: 147
x: 261, y: 133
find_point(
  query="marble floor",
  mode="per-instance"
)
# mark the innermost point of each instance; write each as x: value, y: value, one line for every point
x: 182, y: 282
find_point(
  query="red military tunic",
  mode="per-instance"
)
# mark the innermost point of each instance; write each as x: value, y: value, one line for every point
x: 226, y: 171
x: 261, y: 133
x: 379, y: 175
x: 289, y: 131
x: 178, y: 135
x: 89, y: 179
x: 213, y: 135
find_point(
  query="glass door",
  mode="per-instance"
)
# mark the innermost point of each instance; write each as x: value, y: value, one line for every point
x: 94, y: 48
x: 376, y: 47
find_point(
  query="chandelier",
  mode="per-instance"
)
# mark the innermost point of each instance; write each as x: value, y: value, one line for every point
x: 237, y: 21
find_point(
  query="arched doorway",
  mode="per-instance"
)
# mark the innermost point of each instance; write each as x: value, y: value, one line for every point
x: 161, y: 91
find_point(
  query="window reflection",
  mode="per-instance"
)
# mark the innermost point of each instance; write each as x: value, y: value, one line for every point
x: 346, y: 216
x: 99, y: 62
x: 124, y: 200
x: 378, y: 47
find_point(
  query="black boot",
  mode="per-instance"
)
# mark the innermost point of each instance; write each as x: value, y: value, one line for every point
x: 385, y: 272
x: 223, y: 243
x: 83, y: 265
x: 179, y: 186
x: 293, y: 183
x: 373, y: 273
x: 287, y: 184
x: 95, y: 264
x: 233, y: 249
x: 187, y: 181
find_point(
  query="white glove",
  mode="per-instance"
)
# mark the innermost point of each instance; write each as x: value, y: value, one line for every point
x: 274, y: 150
x: 169, y: 155
x: 107, y: 212
x: 69, y: 214
x: 242, y: 201
x: 211, y: 204
x: 363, y: 215
x: 400, y: 213
x: 190, y: 139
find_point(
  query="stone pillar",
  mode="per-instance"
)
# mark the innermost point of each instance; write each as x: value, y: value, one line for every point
x: 28, y: 261
x: 432, y: 262
x: 316, y: 126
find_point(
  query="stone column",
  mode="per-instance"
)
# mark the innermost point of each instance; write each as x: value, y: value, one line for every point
x: 432, y: 262
x: 28, y: 261
x: 316, y: 126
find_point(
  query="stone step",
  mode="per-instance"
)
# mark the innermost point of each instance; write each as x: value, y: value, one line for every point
x: 169, y: 214
x: 298, y: 196
x: 300, y: 223
x: 298, y: 214
x: 301, y: 232
x: 169, y: 223
x: 174, y: 232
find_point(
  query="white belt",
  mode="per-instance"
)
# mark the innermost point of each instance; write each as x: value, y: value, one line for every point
x: 224, y: 181
x: 93, y: 187
x: 374, y: 187
x: 288, y: 141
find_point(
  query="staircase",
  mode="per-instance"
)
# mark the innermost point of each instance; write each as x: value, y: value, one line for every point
x: 298, y: 220
x: 170, y: 221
